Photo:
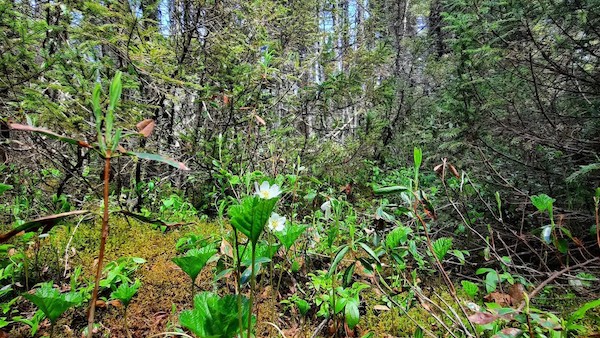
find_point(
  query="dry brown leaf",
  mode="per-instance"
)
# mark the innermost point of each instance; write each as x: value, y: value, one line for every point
x: 146, y: 127
x: 454, y: 171
x: 115, y: 303
x: 509, y: 331
x: 381, y: 308
x: 499, y: 298
x: 226, y: 249
x: 260, y: 120
x: 516, y: 293
x: 482, y: 318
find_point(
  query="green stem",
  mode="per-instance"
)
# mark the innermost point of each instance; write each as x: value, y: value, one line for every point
x: 237, y: 281
x: 252, y: 286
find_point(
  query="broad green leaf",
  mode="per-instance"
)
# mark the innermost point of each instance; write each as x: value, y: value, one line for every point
x: 562, y: 245
x: 251, y: 216
x: 159, y: 158
x: 491, y: 282
x: 263, y: 251
x: 50, y: 301
x: 290, y: 234
x: 303, y: 306
x: 194, y: 260
x: 125, y: 292
x: 214, y: 316
x: 470, y: 288
x: 351, y: 312
x: 418, y: 157
x: 441, y: 247
x: 542, y: 202
x: 397, y: 237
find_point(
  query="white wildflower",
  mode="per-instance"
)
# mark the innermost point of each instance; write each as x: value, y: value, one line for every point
x: 267, y: 191
x: 276, y: 222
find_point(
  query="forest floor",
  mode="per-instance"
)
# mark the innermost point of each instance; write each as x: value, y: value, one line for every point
x: 165, y: 288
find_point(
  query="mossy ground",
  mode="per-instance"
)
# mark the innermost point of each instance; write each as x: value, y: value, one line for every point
x: 165, y: 289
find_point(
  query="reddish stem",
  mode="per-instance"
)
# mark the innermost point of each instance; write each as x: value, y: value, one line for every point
x: 102, y: 245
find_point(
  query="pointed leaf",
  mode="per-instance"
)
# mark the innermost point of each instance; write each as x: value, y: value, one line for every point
x: 48, y: 133
x: 96, y: 108
x: 159, y: 158
x: 114, y: 94
x: 4, y: 188
x: 369, y: 251
x: 338, y: 258
x: 389, y: 190
x: 47, y: 221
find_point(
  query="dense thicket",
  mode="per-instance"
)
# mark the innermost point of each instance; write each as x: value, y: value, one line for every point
x: 507, y: 91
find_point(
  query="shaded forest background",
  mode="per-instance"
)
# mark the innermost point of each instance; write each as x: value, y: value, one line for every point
x: 506, y: 91
x: 338, y: 97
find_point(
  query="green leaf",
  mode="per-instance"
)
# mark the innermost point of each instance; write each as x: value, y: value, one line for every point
x: 351, y: 312
x: 441, y: 247
x: 542, y: 202
x: 4, y: 188
x: 338, y: 258
x: 390, y: 190
x: 290, y: 234
x: 580, y: 313
x: 96, y: 108
x: 114, y: 94
x: 397, y: 237
x: 348, y: 273
x: 418, y: 157
x: 115, y: 140
x: 52, y: 302
x: 214, y: 316
x: 470, y: 288
x: 125, y: 292
x: 562, y: 245
x: 251, y: 216
x: 369, y: 251
x: 303, y: 306
x: 491, y: 282
x: 159, y: 158
x: 194, y: 260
